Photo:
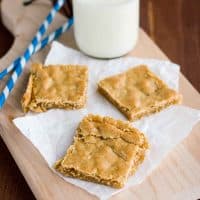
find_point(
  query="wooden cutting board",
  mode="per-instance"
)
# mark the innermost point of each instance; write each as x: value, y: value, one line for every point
x: 178, y: 176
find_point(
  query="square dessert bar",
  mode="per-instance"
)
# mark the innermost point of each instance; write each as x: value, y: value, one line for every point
x: 138, y: 92
x: 61, y: 86
x: 104, y: 151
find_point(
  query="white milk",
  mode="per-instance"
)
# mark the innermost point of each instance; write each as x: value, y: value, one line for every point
x: 106, y: 28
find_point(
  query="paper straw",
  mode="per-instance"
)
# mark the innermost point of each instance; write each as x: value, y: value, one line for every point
x: 53, y: 36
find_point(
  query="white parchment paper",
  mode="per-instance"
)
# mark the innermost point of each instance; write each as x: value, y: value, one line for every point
x: 52, y: 132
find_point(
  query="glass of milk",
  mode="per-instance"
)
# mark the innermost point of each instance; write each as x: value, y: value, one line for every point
x: 106, y: 28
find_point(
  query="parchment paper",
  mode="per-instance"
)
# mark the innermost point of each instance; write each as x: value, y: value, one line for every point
x: 52, y: 132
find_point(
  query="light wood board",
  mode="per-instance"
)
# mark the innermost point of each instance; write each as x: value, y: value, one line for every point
x: 178, y: 176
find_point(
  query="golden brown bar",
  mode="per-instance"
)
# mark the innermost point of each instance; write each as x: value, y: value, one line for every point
x: 55, y: 86
x: 138, y: 92
x: 104, y: 151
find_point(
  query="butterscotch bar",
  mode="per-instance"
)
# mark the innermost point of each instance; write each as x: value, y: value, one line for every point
x: 138, y: 92
x: 55, y: 86
x: 104, y: 151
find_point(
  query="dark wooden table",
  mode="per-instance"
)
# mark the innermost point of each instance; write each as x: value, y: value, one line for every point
x: 175, y: 28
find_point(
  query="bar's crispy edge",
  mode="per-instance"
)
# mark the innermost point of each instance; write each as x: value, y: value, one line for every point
x: 26, y: 98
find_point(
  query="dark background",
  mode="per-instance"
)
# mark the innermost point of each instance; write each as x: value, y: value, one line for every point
x: 174, y: 25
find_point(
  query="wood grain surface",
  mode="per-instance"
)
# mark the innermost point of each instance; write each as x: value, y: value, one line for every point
x: 12, y: 184
x: 173, y: 25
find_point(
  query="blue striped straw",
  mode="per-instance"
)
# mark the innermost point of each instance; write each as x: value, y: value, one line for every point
x: 43, y: 28
x: 31, y: 48
x: 41, y: 45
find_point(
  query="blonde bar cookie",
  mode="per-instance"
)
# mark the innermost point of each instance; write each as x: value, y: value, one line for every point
x: 138, y: 92
x: 60, y: 86
x: 104, y: 151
